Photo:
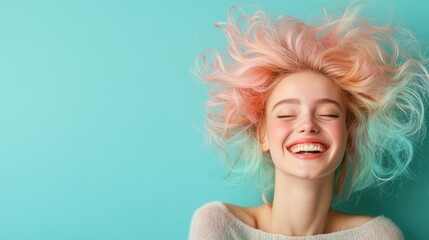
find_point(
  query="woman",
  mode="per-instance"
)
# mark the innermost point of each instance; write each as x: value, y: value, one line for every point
x: 320, y: 112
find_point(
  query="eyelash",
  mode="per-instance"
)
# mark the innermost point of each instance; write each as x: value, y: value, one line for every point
x: 330, y: 115
x: 285, y: 116
x: 325, y: 115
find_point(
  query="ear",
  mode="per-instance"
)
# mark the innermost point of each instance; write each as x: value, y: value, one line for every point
x: 264, y: 145
x: 262, y: 137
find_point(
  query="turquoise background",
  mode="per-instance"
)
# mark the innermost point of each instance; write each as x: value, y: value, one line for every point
x: 102, y: 122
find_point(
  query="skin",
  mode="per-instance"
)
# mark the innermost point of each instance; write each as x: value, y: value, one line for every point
x: 303, y: 105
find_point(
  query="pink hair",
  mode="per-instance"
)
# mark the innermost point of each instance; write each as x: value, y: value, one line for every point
x: 365, y: 61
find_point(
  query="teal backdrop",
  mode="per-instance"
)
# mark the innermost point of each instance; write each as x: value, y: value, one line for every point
x: 102, y: 122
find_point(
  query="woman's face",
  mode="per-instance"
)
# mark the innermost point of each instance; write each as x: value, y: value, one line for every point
x: 305, y: 126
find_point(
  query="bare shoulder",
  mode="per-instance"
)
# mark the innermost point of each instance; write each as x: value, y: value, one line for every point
x: 342, y: 221
x: 383, y: 228
x: 256, y: 217
x: 246, y: 215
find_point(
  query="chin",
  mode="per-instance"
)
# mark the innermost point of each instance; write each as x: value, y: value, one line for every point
x: 310, y: 175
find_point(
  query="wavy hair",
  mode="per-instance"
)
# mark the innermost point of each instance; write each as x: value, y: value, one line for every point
x: 381, y: 73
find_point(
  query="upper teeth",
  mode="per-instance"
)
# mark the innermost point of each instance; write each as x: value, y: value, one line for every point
x: 310, y: 147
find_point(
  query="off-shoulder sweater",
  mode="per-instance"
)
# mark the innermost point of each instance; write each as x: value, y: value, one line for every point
x: 214, y: 221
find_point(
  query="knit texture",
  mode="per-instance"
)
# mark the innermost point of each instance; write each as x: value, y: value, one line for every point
x: 214, y: 221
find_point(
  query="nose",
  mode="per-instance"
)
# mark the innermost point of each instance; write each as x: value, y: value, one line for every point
x: 307, y: 124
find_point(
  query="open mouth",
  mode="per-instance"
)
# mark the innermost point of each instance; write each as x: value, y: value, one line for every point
x: 307, y: 148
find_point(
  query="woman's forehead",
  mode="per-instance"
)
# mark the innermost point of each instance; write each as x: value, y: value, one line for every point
x: 301, y: 87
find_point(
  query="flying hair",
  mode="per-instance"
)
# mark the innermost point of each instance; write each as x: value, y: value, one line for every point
x: 380, y: 71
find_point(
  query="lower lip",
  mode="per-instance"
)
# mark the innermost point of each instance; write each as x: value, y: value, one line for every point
x: 308, y: 156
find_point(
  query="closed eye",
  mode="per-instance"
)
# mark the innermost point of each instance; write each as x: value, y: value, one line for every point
x: 286, y: 116
x: 330, y: 115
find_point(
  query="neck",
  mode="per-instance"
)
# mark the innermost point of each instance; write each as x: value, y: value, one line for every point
x: 301, y: 206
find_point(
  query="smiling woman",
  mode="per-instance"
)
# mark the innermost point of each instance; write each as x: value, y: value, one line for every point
x: 308, y: 116
x: 315, y: 110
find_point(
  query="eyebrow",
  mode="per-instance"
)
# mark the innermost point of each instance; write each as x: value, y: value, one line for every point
x: 297, y: 102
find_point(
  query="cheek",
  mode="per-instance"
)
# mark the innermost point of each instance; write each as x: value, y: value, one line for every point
x: 339, y: 133
x: 277, y: 132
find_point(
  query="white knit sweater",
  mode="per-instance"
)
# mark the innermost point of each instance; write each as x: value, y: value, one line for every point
x: 214, y: 221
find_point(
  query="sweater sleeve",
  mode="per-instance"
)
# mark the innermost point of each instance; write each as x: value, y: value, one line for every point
x: 208, y: 223
x: 388, y: 230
